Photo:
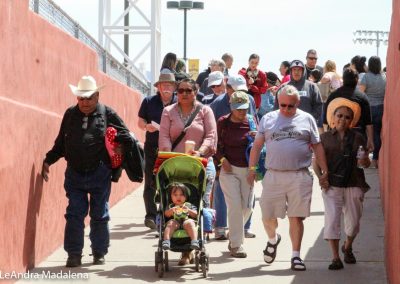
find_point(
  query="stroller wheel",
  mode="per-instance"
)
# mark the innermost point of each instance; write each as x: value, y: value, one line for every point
x: 158, y: 258
x: 204, y: 259
x: 197, y: 262
x: 204, y: 266
x: 160, y: 269
x: 166, y: 265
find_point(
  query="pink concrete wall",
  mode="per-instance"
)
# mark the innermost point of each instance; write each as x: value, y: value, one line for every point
x: 390, y: 153
x: 37, y: 62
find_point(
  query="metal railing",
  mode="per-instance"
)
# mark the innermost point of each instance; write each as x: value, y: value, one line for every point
x: 107, y: 63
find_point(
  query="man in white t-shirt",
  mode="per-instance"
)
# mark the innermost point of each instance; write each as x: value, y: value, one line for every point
x: 289, y: 135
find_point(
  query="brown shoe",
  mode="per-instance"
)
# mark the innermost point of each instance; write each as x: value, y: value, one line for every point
x: 186, y: 258
x: 238, y: 252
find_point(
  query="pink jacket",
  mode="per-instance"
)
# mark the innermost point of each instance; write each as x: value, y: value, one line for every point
x: 203, y: 130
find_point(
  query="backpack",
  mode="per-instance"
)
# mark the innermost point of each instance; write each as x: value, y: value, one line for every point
x: 133, y: 161
x: 260, y: 167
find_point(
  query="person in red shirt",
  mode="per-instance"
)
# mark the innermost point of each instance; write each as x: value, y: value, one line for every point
x: 255, y: 78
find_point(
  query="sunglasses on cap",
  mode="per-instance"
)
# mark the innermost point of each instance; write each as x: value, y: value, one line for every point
x: 313, y: 58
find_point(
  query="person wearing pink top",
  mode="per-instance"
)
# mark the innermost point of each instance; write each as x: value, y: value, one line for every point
x: 202, y: 130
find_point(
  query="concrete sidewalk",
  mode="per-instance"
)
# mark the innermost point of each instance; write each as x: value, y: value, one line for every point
x: 131, y: 255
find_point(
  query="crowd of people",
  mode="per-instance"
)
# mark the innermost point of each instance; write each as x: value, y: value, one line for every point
x: 312, y: 121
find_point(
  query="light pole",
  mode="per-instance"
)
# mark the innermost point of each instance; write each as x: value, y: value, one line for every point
x: 371, y: 36
x: 185, y: 6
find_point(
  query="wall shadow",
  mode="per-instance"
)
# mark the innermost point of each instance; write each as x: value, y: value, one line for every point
x: 32, y: 212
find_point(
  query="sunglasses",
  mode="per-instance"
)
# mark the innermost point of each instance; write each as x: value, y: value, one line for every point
x: 347, y: 117
x: 85, y: 99
x: 313, y: 58
x: 215, y: 86
x: 186, y: 91
x: 85, y: 122
x: 286, y: 106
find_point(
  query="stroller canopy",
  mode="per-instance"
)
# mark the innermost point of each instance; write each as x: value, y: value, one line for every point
x: 183, y: 169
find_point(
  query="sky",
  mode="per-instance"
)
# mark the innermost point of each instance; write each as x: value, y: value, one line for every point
x: 275, y: 30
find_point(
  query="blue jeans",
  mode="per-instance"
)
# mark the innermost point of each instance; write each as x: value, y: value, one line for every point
x: 219, y: 206
x: 377, y: 114
x: 210, y: 175
x: 149, y: 192
x: 78, y: 186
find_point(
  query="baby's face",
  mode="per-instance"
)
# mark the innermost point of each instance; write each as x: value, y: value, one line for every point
x: 178, y: 198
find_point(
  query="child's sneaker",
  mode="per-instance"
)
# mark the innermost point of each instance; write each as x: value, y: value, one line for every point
x: 166, y: 244
x: 194, y: 244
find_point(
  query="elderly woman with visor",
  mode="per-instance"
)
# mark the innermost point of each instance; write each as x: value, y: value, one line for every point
x: 233, y: 130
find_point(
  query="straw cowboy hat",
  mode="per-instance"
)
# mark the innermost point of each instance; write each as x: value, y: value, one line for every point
x: 342, y: 102
x: 86, y: 87
x: 165, y: 77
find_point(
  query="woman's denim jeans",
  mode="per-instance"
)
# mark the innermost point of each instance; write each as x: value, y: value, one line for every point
x: 377, y: 114
x: 87, y: 190
x: 210, y: 176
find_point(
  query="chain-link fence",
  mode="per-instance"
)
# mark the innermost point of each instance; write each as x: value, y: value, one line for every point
x: 107, y: 63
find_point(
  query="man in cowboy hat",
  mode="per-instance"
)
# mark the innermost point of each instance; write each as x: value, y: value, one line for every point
x: 81, y: 142
x: 149, y: 119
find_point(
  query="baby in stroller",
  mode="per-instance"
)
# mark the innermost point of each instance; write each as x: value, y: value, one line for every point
x: 180, y: 214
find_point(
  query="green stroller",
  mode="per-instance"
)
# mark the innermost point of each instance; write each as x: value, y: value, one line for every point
x: 175, y: 167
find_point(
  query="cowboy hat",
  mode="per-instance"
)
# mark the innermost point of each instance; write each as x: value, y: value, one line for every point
x: 342, y: 102
x: 86, y: 87
x: 165, y: 77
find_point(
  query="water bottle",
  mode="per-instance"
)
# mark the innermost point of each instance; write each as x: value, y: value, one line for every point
x: 360, y: 156
x: 252, y: 124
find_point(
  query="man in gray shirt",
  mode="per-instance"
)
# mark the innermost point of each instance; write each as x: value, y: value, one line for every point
x: 288, y: 134
x: 310, y: 96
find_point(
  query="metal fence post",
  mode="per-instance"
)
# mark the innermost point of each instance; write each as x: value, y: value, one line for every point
x: 76, y: 31
x: 36, y: 6
x: 104, y: 56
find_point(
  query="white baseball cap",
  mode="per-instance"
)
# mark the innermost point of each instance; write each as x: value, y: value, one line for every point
x: 215, y: 78
x: 237, y: 82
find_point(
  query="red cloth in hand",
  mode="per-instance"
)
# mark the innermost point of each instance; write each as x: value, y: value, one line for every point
x: 111, y: 144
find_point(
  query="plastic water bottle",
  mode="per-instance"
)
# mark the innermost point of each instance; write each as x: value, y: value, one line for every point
x: 252, y: 124
x: 360, y: 156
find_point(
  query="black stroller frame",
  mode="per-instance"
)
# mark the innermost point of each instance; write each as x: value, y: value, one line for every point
x: 191, y: 172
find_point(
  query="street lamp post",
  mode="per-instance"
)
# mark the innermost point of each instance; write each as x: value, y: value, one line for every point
x: 185, y: 6
x: 371, y: 36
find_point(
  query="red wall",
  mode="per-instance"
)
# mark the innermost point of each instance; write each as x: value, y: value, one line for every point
x: 390, y: 153
x: 38, y: 62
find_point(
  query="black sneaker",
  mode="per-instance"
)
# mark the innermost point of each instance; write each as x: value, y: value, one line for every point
x: 74, y: 260
x: 348, y: 255
x: 336, y: 264
x: 98, y: 259
x: 149, y: 223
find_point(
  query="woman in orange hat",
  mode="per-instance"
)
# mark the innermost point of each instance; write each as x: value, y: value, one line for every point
x: 345, y: 155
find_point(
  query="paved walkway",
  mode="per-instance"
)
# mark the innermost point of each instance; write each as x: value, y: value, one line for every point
x: 131, y: 256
